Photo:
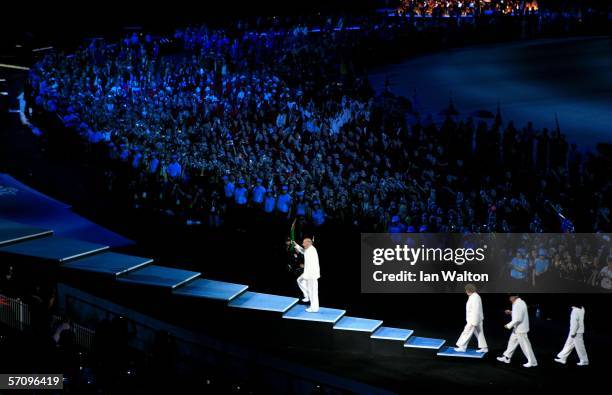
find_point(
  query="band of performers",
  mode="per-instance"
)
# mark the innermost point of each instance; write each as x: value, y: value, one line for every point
x: 519, y: 327
x: 304, y: 261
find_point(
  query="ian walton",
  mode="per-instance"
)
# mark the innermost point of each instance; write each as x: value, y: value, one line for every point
x: 421, y: 276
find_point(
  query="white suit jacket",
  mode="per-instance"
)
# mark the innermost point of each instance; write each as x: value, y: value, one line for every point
x: 473, y: 310
x: 577, y: 321
x: 520, y: 317
x: 311, y: 262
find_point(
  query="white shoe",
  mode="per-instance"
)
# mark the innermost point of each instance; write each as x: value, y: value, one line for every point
x: 311, y: 310
x: 460, y: 349
x: 582, y: 363
x: 529, y: 365
x: 305, y: 300
x: 561, y: 361
x: 483, y: 350
x: 503, y: 359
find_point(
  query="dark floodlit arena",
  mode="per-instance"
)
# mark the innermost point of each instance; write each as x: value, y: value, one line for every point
x: 314, y: 197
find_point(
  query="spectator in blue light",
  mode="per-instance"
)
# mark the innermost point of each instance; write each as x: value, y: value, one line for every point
x: 259, y: 192
x: 228, y: 186
x: 541, y: 264
x: 519, y: 267
x: 93, y: 137
x: 174, y: 169
x: 240, y: 193
x: 136, y: 160
x: 318, y: 215
x: 301, y: 206
x: 283, y: 204
x: 270, y: 202
x: 125, y: 153
x: 396, y: 226
x: 154, y: 165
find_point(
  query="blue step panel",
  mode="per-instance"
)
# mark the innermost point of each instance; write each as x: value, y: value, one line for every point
x: 159, y: 276
x: 211, y: 289
x: 298, y: 312
x: 260, y: 301
x: 12, y: 232
x: 389, y: 333
x: 469, y: 353
x: 109, y: 263
x: 347, y: 323
x: 424, y: 342
x: 56, y: 249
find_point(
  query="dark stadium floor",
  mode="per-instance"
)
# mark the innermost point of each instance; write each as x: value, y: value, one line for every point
x: 425, y: 372
x: 422, y: 370
x: 413, y: 369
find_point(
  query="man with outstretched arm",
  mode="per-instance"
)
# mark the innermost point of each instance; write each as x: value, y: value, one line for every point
x: 474, y: 318
x: 308, y: 281
x: 520, y: 328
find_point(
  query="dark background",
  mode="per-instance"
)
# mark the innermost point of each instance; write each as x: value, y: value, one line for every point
x: 251, y: 255
x: 227, y: 253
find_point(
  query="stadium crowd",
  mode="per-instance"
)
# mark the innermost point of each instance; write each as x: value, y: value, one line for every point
x: 279, y: 119
x: 541, y: 261
x: 453, y: 8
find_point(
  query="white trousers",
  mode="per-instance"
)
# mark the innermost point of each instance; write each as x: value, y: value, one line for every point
x: 310, y: 289
x: 468, y: 332
x: 520, y: 339
x: 571, y: 343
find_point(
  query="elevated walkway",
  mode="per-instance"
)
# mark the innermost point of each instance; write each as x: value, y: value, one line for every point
x: 329, y: 327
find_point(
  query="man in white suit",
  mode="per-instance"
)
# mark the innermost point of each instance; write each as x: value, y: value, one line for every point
x: 520, y: 328
x: 474, y: 317
x: 575, y: 338
x: 308, y: 281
